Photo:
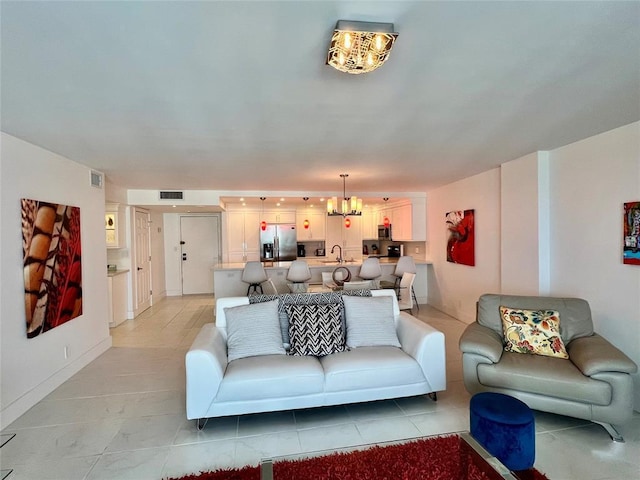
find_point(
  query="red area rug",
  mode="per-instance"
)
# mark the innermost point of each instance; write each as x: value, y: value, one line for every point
x: 438, y: 458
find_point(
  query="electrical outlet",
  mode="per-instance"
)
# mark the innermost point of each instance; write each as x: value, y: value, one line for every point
x: 417, y: 249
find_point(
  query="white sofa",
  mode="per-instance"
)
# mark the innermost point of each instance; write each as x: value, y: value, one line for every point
x: 216, y: 387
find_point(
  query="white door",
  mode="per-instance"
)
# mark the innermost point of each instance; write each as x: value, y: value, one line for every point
x: 199, y: 239
x: 142, y: 274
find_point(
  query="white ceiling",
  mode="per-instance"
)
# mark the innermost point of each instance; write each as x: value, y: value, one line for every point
x: 233, y: 95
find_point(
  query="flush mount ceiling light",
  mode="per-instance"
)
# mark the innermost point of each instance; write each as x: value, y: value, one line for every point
x: 360, y: 47
x: 350, y: 206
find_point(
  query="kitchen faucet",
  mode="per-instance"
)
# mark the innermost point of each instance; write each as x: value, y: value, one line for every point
x: 339, y: 259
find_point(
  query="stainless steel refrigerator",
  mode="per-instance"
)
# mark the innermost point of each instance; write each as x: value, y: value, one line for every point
x: 278, y: 243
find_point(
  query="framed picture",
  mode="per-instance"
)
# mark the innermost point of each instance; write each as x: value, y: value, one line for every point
x: 52, y: 260
x: 631, y: 234
x: 461, y: 241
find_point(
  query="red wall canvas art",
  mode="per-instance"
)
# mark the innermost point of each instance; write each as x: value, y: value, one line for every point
x: 631, y: 221
x: 52, y: 260
x: 461, y: 242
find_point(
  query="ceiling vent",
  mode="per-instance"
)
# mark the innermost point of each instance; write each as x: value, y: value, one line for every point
x: 171, y: 195
x: 96, y: 179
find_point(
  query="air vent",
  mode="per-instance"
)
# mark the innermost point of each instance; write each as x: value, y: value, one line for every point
x: 171, y: 195
x: 96, y: 179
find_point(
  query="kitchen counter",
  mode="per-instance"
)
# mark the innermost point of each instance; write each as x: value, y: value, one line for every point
x: 113, y: 273
x: 227, y: 277
x: 315, y: 262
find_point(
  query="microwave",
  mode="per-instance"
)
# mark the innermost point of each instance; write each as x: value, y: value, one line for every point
x: 384, y: 232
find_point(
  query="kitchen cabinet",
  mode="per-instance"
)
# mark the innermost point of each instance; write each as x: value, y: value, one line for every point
x: 278, y: 216
x: 243, y: 236
x: 117, y: 295
x: 401, y: 223
x: 369, y: 225
x: 114, y: 225
x: 408, y: 220
x: 349, y: 239
x: 317, y: 225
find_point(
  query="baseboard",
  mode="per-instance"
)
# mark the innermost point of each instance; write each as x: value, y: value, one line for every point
x: 156, y: 297
x: 18, y: 407
x: 453, y: 312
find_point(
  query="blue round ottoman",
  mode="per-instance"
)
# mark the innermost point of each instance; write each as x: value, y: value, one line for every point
x: 505, y: 427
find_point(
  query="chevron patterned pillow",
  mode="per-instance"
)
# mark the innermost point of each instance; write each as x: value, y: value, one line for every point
x: 316, y: 329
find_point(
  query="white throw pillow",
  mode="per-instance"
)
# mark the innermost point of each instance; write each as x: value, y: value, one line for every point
x: 253, y: 330
x: 370, y: 322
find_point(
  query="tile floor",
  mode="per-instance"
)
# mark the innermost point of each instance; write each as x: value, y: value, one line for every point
x: 123, y: 417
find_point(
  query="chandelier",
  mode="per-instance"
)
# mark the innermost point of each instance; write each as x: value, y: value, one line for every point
x: 360, y: 47
x: 350, y: 206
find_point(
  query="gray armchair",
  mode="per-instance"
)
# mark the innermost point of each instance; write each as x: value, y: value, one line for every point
x: 594, y: 384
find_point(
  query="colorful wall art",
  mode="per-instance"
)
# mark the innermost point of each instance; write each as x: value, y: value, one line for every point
x: 461, y: 242
x: 52, y: 264
x: 631, y: 221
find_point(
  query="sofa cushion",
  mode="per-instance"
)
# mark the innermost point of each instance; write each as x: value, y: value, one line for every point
x: 315, y: 329
x: 370, y: 322
x: 253, y: 330
x: 370, y: 367
x: 548, y: 376
x: 270, y: 376
x: 532, y: 331
x: 574, y: 312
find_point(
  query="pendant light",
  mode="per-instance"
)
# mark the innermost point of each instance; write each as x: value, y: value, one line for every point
x: 349, y: 205
x: 306, y: 222
x: 263, y: 224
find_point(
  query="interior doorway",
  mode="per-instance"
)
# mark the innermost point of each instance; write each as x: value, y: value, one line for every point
x: 200, y: 252
x: 142, y: 273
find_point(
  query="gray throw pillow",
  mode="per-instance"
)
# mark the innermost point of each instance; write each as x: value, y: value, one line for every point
x: 370, y: 322
x: 253, y: 330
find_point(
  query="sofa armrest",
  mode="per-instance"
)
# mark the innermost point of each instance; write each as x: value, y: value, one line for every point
x: 205, y: 362
x: 594, y: 354
x: 426, y: 345
x: 482, y: 341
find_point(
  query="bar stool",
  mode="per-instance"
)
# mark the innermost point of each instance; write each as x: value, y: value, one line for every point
x: 298, y: 274
x: 405, y: 265
x: 370, y: 270
x: 405, y: 302
x: 254, y: 274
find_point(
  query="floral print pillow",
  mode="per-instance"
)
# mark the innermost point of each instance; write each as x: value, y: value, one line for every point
x: 532, y: 331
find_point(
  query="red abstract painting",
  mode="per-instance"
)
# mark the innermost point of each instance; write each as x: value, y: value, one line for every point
x: 52, y: 260
x: 461, y: 241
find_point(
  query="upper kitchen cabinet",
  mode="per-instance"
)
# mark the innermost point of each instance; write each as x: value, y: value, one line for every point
x: 408, y: 220
x: 114, y: 225
x: 401, y: 223
x: 349, y: 239
x: 278, y: 216
x: 369, y: 224
x: 243, y: 236
x: 311, y: 225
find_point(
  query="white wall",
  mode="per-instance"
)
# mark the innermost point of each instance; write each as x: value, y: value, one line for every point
x: 524, y: 217
x: 590, y: 181
x: 454, y: 288
x: 32, y: 368
x: 572, y: 206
